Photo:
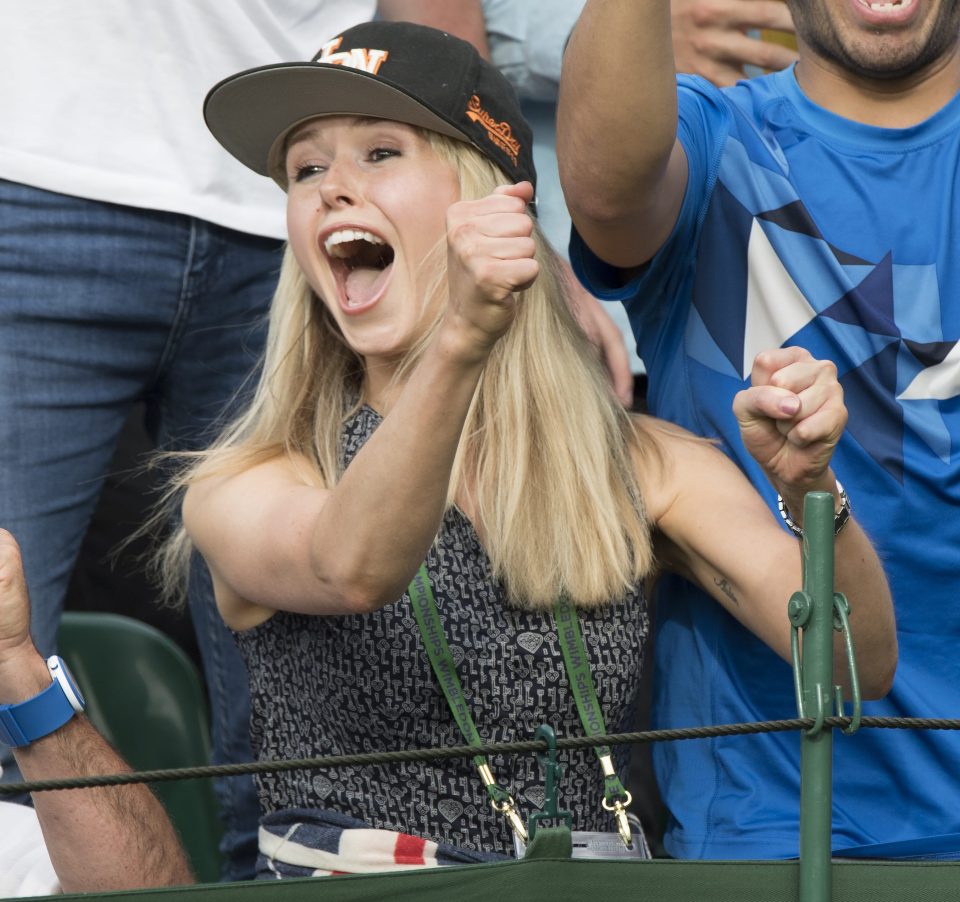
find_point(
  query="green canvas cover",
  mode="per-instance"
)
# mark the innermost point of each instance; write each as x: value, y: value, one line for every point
x: 551, y: 879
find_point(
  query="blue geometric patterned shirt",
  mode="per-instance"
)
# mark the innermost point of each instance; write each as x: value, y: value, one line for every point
x: 802, y: 228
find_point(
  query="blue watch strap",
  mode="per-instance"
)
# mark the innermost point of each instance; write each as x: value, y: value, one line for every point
x: 28, y: 721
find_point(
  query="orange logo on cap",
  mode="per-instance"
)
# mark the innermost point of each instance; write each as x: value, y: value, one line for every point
x: 357, y: 58
x: 499, y: 132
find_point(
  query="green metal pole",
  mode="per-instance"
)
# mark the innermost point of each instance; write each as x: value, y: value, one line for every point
x: 816, y: 746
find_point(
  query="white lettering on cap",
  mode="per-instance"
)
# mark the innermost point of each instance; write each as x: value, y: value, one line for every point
x: 357, y: 58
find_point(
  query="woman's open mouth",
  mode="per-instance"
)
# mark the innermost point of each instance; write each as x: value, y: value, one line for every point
x: 361, y: 263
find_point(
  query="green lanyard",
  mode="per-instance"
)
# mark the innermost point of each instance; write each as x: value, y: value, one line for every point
x: 441, y: 660
x: 616, y: 798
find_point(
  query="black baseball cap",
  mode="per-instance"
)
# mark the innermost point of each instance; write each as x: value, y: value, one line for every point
x: 387, y: 70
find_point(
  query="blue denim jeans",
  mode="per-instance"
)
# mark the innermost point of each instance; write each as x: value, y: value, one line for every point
x: 102, y: 306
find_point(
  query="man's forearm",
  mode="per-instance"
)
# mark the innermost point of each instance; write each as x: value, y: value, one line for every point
x: 100, y: 839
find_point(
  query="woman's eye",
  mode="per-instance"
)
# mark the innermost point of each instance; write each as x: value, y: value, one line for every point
x: 306, y: 170
x: 382, y: 153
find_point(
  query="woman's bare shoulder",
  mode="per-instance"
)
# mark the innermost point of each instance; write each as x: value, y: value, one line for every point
x: 666, y: 457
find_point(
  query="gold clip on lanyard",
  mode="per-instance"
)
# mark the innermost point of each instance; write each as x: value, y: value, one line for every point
x: 501, y: 800
x: 616, y: 799
x: 616, y: 803
x: 441, y: 661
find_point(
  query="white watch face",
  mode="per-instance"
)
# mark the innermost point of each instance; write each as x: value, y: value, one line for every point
x: 61, y: 673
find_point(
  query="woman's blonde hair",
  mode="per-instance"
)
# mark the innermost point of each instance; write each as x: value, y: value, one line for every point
x: 547, y: 456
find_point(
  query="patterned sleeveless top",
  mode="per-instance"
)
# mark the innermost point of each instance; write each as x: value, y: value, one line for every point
x: 345, y: 684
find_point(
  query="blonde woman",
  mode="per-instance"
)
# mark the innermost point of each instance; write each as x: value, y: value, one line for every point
x: 428, y: 399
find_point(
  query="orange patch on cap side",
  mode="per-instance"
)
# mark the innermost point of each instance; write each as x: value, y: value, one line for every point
x: 499, y: 132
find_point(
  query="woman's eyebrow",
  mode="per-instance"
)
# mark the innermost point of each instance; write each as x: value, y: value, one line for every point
x: 305, y: 135
x: 310, y: 132
x: 301, y: 135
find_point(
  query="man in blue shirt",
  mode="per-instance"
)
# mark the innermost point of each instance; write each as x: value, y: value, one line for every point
x: 816, y: 207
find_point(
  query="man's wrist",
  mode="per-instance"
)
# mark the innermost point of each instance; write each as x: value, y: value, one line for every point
x: 22, y: 676
x: 50, y: 701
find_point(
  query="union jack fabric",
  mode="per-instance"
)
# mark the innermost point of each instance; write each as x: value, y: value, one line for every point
x: 304, y: 843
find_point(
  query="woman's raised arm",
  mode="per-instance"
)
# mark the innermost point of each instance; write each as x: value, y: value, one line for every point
x: 274, y: 541
x: 719, y: 532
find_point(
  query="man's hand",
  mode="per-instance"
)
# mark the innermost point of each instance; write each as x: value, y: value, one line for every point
x: 603, y: 332
x: 709, y: 37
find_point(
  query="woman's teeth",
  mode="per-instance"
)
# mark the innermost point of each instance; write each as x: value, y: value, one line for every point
x: 334, y: 243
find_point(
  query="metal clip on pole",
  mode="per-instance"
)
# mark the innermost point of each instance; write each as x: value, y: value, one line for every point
x: 799, y: 610
x: 841, y: 623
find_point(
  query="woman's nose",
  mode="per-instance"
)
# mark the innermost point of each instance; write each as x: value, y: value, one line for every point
x: 341, y: 184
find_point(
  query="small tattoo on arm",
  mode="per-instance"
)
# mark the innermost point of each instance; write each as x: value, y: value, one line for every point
x: 724, y: 586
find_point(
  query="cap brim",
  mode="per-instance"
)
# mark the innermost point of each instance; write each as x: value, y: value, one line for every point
x: 251, y: 113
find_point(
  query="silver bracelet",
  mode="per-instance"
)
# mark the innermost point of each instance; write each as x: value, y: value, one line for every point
x: 839, y: 519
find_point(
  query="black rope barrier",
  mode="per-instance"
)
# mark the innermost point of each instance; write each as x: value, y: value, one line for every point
x: 469, y: 751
